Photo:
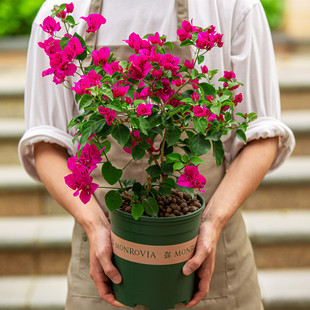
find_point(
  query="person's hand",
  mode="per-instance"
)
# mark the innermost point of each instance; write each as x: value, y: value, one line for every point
x: 101, y: 269
x: 203, y: 260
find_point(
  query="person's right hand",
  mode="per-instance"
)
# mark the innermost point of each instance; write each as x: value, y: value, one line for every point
x: 101, y: 269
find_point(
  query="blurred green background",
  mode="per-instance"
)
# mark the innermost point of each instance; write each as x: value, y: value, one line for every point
x: 16, y: 16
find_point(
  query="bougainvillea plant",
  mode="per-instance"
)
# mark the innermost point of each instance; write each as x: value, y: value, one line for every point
x: 151, y: 99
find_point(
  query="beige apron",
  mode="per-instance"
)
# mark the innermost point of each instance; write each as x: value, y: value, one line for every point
x: 234, y: 282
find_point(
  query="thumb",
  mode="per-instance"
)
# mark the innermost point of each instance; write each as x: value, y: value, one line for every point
x: 195, y: 262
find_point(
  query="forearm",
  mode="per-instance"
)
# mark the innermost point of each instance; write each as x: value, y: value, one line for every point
x: 242, y: 178
x: 51, y: 165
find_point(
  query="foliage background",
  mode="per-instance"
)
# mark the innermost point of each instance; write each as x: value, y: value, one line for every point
x: 16, y: 16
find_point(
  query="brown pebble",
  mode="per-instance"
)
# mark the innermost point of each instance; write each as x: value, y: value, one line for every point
x: 176, y: 212
x: 169, y: 210
x: 185, y: 210
x: 193, y: 208
x: 183, y: 205
x: 128, y: 209
x: 197, y: 204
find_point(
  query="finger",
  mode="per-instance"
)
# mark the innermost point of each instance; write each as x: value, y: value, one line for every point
x: 109, y: 269
x: 205, y: 274
x: 104, y: 289
x: 196, y: 261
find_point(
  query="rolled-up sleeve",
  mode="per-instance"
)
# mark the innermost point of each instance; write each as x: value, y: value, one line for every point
x: 253, y: 61
x: 48, y: 107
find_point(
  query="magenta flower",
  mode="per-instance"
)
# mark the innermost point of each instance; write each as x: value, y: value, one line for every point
x: 189, y: 64
x: 157, y: 73
x: 156, y: 39
x: 135, y: 42
x: 238, y: 99
x: 90, y: 156
x: 109, y: 114
x: 144, y: 109
x: 140, y: 67
x: 94, y: 21
x: 68, y: 53
x: 195, y: 97
x: 183, y: 35
x: 50, y: 25
x: 76, y: 45
x: 51, y: 46
x: 210, y: 98
x: 204, y: 69
x: 81, y: 182
x: 169, y: 62
x: 101, y: 57
x: 82, y: 86
x: 94, y: 78
x: 120, y: 91
x: 191, y: 178
x: 69, y: 7
x: 229, y: 75
x: 204, y: 112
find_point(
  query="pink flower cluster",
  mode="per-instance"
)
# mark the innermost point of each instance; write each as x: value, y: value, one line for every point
x: 86, y: 82
x: 205, y: 39
x: 136, y: 135
x: 61, y: 60
x: 81, y: 167
x: 192, y: 179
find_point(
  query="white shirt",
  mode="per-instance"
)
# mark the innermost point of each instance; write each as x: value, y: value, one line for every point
x: 247, y: 50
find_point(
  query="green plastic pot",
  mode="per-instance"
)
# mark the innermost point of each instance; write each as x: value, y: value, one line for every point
x: 150, y: 254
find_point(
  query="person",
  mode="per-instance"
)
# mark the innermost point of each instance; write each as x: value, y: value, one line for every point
x: 223, y: 257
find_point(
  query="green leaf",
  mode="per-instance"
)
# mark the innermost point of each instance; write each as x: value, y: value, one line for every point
x: 218, y: 151
x: 201, y: 58
x: 207, y: 89
x: 170, y: 183
x: 178, y: 166
x: 169, y: 45
x: 185, y: 158
x: 154, y: 171
x: 199, y: 145
x: 187, y: 190
x: 121, y: 134
x: 85, y: 101
x: 197, y: 161
x: 70, y: 20
x: 110, y: 173
x: 200, y: 124
x: 186, y: 42
x: 106, y: 92
x: 150, y: 206
x: 167, y: 168
x: 63, y: 42
x: 173, y: 157
x: 216, y: 109
x: 107, y: 145
x: 137, y: 152
x: 137, y: 211
x: 164, y: 191
x: 144, y: 125
x: 113, y: 200
x: 115, y: 105
x: 84, y: 54
x: 173, y: 134
x: 241, y: 135
x: 135, y: 122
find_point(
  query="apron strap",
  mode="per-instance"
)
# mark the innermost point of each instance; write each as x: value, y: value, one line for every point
x: 182, y: 11
x: 95, y: 7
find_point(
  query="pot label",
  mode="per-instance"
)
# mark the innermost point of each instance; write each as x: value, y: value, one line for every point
x: 153, y: 254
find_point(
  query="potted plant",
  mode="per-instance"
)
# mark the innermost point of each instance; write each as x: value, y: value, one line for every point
x: 158, y: 110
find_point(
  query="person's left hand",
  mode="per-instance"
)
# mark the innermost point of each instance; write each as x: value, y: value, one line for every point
x: 203, y: 260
